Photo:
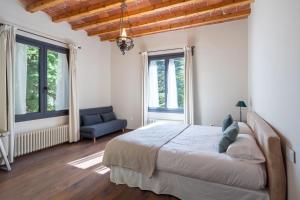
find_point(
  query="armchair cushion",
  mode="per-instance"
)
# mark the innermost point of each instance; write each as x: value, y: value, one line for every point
x: 104, y: 128
x: 108, y: 116
x: 91, y: 119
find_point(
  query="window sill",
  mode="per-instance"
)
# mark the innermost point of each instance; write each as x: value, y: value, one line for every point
x: 166, y: 116
x: 37, y: 116
x: 155, y: 110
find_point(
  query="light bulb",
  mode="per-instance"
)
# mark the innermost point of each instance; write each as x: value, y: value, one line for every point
x: 124, y: 34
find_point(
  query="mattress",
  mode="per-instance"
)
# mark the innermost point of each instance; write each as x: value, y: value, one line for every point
x: 194, y: 154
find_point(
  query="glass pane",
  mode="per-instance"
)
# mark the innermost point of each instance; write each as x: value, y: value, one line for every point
x: 57, y: 81
x: 27, y: 79
x: 179, y: 68
x: 172, y: 101
x: 157, y: 84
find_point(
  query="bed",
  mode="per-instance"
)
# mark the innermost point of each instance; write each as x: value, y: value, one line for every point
x: 182, y: 160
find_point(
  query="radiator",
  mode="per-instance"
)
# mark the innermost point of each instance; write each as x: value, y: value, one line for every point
x: 40, y: 139
x: 153, y: 120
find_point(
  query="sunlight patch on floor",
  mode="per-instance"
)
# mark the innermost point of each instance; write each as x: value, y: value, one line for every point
x: 102, y: 170
x: 88, y: 161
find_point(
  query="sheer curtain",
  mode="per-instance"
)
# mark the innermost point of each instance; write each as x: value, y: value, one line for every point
x: 74, y: 134
x: 172, y: 86
x: 21, y: 79
x: 188, y: 86
x: 7, y: 59
x: 153, y: 90
x: 62, y: 83
x: 145, y: 86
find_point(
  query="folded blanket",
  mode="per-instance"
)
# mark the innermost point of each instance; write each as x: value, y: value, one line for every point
x: 138, y: 149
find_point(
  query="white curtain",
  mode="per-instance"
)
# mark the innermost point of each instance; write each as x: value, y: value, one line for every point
x: 145, y: 86
x: 62, y: 83
x: 74, y: 134
x: 172, y: 86
x: 188, y: 86
x: 153, y: 90
x: 7, y: 58
x: 21, y: 79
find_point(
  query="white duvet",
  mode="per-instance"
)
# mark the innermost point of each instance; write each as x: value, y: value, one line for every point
x: 194, y: 153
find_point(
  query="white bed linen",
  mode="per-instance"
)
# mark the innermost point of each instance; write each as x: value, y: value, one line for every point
x: 184, y: 187
x: 194, y: 153
x: 138, y: 149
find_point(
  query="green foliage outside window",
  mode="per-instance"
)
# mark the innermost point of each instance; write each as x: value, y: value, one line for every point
x: 161, y: 82
x: 52, y: 65
x: 32, y: 94
x: 161, y: 73
x: 179, y: 68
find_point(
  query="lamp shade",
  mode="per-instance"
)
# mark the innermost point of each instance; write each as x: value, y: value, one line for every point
x: 241, y: 104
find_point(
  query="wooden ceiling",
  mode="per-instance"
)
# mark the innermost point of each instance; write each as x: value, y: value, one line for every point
x: 142, y: 17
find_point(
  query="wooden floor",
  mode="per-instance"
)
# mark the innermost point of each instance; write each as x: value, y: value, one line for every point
x: 68, y: 171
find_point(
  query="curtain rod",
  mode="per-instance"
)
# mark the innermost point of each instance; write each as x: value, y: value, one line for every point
x: 168, y: 50
x: 42, y: 36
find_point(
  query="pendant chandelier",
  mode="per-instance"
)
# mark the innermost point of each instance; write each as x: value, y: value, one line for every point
x: 124, y: 42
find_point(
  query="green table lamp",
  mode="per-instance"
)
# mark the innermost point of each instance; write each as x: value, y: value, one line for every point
x: 241, y: 104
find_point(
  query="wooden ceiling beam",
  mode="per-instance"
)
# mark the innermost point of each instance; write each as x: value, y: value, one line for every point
x: 41, y: 5
x: 88, y: 11
x: 147, y: 10
x: 187, y: 24
x: 175, y: 16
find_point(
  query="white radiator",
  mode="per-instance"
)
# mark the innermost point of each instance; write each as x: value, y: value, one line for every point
x: 40, y: 139
x: 153, y: 120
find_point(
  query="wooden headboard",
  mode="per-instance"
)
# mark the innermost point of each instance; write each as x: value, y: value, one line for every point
x: 269, y: 142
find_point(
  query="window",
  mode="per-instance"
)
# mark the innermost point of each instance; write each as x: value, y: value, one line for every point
x: 41, y: 80
x: 166, y: 78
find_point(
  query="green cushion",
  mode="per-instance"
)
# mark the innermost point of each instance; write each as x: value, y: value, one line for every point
x: 232, y: 131
x: 227, y: 122
x: 224, y: 144
x: 229, y: 136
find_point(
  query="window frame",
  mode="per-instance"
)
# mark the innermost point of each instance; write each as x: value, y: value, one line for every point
x: 43, y: 47
x: 166, y: 58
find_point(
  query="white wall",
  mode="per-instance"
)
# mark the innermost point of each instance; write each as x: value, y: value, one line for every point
x: 274, y: 68
x: 220, y: 71
x: 93, y: 59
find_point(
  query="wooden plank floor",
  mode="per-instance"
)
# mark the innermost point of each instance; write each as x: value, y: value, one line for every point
x: 68, y: 171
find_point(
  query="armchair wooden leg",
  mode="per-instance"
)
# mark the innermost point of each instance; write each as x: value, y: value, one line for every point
x: 123, y: 130
x: 94, y: 140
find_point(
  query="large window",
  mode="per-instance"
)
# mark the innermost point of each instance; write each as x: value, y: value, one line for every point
x: 41, y: 80
x: 166, y: 83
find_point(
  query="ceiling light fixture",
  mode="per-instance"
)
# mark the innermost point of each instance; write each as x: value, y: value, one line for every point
x: 124, y: 42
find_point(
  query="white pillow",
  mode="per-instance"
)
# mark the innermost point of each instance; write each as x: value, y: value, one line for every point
x: 245, y: 149
x: 244, y: 128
